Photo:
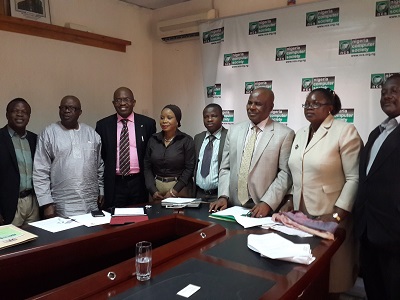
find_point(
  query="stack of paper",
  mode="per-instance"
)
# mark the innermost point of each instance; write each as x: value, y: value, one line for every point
x: 128, y: 215
x: 276, y: 247
x: 239, y: 214
x: 181, y: 202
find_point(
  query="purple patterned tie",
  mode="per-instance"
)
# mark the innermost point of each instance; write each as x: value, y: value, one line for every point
x: 124, y: 159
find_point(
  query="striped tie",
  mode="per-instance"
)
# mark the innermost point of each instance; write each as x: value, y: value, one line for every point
x: 124, y: 160
x: 243, y: 192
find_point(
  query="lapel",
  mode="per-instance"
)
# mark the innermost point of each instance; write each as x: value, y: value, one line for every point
x: 389, y: 145
x: 10, y: 147
x: 199, y: 142
x: 365, y: 152
x: 263, y: 142
x: 321, y: 133
x: 140, y: 134
x: 241, y: 139
x: 221, y: 144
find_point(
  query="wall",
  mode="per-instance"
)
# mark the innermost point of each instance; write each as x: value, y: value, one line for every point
x: 177, y: 75
x: 43, y: 71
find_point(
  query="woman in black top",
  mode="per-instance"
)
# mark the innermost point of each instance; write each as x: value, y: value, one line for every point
x: 169, y: 160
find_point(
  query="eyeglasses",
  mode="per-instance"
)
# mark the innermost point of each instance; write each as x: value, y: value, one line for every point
x: 120, y: 100
x: 314, y: 105
x: 70, y: 108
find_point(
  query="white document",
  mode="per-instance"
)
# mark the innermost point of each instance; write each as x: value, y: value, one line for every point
x: 88, y: 220
x: 232, y: 211
x: 178, y: 200
x: 239, y: 213
x: 56, y: 224
x: 288, y: 230
x: 276, y: 247
x: 129, y: 211
x: 188, y: 291
x: 248, y: 222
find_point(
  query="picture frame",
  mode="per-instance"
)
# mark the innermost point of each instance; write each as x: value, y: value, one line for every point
x: 35, y: 10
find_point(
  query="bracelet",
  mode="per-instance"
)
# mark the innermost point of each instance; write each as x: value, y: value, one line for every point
x: 172, y: 193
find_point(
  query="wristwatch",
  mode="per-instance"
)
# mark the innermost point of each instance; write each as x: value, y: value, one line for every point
x: 336, y: 217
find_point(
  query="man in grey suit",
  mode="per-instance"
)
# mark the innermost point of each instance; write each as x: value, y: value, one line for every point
x: 209, y: 145
x: 266, y: 179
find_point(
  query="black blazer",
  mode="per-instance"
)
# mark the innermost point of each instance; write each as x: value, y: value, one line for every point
x: 9, y: 173
x: 107, y: 129
x: 198, y: 141
x: 377, y: 206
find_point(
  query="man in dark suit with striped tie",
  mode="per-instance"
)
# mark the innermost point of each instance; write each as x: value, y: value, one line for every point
x: 124, y: 138
x: 209, y: 145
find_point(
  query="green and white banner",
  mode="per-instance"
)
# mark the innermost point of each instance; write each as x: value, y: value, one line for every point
x: 348, y: 46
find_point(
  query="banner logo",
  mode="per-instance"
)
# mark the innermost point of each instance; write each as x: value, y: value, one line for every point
x: 214, y: 91
x: 291, y: 54
x: 387, y: 8
x: 214, y: 36
x: 377, y: 80
x: 309, y: 84
x: 263, y: 27
x: 279, y: 115
x: 229, y: 116
x: 237, y: 60
x: 358, y: 47
x: 323, y: 18
x: 250, y: 86
x: 345, y: 114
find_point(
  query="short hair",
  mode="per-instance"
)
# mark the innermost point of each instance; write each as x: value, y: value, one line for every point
x: 331, y: 97
x: 15, y: 101
x: 214, y: 105
x: 393, y: 76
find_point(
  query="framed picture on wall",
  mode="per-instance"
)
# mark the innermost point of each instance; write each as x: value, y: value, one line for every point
x: 36, y: 10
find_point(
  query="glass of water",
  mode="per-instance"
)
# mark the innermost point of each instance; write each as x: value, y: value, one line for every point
x: 143, y: 261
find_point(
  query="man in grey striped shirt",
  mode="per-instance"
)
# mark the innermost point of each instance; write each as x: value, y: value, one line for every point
x: 209, y: 145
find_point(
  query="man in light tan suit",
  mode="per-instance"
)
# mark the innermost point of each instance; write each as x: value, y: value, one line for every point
x: 268, y: 177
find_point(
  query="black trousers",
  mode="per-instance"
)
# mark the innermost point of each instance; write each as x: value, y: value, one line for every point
x: 130, y: 190
x: 381, y: 271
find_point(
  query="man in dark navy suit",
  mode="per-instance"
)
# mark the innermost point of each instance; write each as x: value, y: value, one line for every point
x: 120, y: 188
x: 377, y: 207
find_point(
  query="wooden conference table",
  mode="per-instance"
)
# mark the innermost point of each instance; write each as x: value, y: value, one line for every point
x: 189, y: 248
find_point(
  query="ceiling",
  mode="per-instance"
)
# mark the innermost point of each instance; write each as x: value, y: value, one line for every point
x: 154, y: 4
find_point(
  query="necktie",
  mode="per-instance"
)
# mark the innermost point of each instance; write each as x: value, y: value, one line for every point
x: 205, y: 165
x: 243, y: 193
x: 124, y: 160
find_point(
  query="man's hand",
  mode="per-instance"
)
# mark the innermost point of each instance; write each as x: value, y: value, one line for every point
x: 100, y: 201
x: 220, y: 204
x: 260, y: 210
x: 157, y: 196
x: 49, y: 211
